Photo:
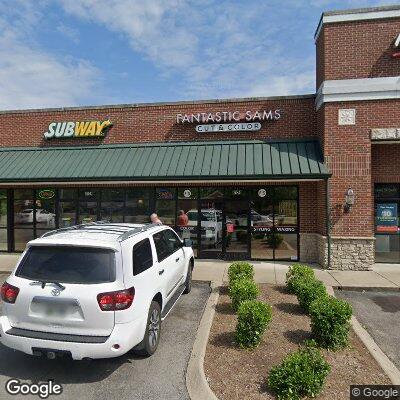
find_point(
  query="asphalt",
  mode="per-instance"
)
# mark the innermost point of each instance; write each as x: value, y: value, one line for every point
x: 379, y: 313
x: 161, y: 376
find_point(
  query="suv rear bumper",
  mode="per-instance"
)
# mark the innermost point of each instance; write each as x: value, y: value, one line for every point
x: 127, y: 335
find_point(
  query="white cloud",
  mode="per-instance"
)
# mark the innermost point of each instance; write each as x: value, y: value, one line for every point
x: 68, y: 32
x: 214, y: 48
x: 29, y: 76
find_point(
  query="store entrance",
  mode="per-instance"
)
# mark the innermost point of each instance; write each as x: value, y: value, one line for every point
x: 253, y: 223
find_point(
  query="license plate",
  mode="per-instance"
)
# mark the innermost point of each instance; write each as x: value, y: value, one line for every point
x: 56, y: 310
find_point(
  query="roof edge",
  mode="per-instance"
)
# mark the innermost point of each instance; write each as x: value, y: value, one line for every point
x: 158, y: 144
x: 160, y: 104
x: 357, y: 14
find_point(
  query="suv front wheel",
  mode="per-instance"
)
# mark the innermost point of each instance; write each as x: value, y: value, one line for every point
x: 153, y: 331
x: 188, y: 282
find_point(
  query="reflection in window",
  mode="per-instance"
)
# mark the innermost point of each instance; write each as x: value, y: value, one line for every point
x: 137, y: 207
x: 186, y: 221
x: 67, y: 214
x: 3, y: 220
x: 165, y: 209
x: 112, y: 211
x: 45, y: 216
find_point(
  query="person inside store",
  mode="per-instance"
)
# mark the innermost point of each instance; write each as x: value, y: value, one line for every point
x: 182, y: 219
x: 154, y: 219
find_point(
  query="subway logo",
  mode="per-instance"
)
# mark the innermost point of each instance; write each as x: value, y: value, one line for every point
x: 81, y: 129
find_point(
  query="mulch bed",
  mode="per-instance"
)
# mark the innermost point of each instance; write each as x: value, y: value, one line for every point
x: 233, y: 373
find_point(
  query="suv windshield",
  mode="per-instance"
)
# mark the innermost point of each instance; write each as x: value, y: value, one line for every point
x: 68, y: 264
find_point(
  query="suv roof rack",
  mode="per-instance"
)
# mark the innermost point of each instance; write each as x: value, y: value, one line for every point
x: 123, y: 235
x: 135, y: 231
x: 72, y: 228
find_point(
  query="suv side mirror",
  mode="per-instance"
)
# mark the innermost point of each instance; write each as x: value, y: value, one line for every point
x: 187, y: 242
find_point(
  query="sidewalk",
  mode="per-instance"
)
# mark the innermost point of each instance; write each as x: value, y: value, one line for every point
x: 383, y: 276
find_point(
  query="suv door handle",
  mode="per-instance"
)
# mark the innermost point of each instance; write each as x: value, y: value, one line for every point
x: 160, y: 272
x: 177, y: 259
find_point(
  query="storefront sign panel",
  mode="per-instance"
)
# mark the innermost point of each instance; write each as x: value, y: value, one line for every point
x: 250, y: 126
x: 79, y: 129
x: 386, y: 218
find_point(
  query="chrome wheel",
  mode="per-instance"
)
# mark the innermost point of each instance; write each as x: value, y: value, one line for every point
x: 154, y: 328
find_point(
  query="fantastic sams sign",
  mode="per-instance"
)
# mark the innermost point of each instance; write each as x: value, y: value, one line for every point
x: 229, y: 121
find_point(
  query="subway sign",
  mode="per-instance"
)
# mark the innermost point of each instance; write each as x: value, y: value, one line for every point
x: 79, y: 129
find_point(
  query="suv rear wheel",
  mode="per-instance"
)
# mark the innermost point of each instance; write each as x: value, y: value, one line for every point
x: 153, y: 331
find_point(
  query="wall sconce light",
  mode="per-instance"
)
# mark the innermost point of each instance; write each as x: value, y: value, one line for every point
x: 349, y: 199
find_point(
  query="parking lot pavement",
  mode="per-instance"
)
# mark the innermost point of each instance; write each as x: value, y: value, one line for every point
x: 379, y: 313
x: 161, y: 376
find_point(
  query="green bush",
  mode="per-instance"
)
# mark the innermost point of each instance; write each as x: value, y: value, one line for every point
x: 330, y: 322
x: 253, y: 319
x: 300, y: 374
x: 242, y: 289
x: 240, y: 269
x: 295, y: 273
x: 308, y: 290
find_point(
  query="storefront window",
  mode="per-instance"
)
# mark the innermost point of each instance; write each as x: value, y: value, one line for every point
x: 45, y: 212
x: 166, y: 205
x: 88, y: 205
x: 137, y: 208
x: 387, y: 223
x: 67, y: 216
x: 112, y: 205
x: 3, y: 220
x: 23, y: 217
x: 186, y: 220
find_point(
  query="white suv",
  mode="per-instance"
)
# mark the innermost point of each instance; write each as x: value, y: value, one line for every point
x: 95, y: 290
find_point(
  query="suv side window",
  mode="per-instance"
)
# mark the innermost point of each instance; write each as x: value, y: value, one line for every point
x: 142, y: 257
x: 166, y: 243
x: 161, y: 246
x: 173, y: 242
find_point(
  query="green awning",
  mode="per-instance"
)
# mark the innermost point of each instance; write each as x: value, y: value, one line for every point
x: 228, y: 160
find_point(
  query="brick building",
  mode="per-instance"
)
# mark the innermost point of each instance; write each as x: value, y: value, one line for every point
x: 314, y: 178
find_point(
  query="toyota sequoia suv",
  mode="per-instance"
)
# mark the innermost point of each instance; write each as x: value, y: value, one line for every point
x: 95, y: 290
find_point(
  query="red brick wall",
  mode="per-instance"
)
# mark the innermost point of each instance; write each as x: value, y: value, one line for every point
x: 158, y: 123
x: 386, y: 163
x: 357, y: 49
x: 348, y: 155
x: 312, y: 207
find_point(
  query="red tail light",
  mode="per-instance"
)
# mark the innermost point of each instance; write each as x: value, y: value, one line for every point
x: 9, y: 293
x: 114, y: 301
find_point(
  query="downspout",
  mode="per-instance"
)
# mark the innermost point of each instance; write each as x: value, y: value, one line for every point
x: 327, y: 221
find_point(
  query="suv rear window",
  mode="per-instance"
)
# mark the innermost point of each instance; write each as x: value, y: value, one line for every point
x: 68, y: 264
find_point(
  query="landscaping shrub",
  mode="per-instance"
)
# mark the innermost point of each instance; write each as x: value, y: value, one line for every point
x: 309, y: 289
x: 295, y: 273
x: 300, y: 374
x: 242, y: 289
x: 330, y: 322
x: 253, y: 319
x: 240, y: 269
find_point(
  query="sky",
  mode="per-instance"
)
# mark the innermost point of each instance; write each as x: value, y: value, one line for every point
x: 60, y: 53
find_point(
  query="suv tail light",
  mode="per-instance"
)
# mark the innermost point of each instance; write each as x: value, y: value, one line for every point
x: 115, y: 301
x: 9, y: 293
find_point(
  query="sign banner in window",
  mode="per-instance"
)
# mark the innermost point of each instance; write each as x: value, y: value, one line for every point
x: 386, y: 218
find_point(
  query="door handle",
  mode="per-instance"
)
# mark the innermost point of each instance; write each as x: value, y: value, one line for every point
x: 177, y: 259
x: 160, y: 272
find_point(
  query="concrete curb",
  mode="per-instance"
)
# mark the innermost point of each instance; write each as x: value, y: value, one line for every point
x: 381, y: 358
x: 196, y: 382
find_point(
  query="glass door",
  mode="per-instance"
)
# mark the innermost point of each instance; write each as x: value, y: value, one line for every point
x: 210, y: 223
x: 262, y: 222
x: 236, y: 228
